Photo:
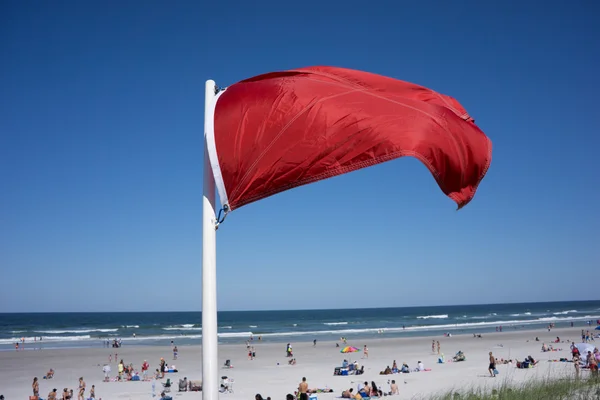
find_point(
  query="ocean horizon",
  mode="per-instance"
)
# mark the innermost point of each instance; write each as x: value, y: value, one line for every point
x: 92, y: 329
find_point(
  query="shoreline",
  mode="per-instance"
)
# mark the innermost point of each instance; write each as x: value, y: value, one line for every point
x: 270, y: 374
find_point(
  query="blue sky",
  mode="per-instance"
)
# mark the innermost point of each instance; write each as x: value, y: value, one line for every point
x: 101, y: 124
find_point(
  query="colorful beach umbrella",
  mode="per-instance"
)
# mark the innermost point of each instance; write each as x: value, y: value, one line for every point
x: 349, y: 349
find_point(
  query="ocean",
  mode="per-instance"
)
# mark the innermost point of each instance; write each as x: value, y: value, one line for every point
x: 58, y: 330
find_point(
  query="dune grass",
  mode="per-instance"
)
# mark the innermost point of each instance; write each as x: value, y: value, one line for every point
x: 564, y: 388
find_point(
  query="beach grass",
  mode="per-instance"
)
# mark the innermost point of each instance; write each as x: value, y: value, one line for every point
x: 564, y: 388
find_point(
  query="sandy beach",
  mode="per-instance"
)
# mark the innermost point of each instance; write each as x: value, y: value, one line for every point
x: 270, y: 375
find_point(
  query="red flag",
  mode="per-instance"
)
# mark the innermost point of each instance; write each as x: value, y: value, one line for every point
x: 285, y: 129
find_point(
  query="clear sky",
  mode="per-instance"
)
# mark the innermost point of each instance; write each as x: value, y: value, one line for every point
x: 101, y: 128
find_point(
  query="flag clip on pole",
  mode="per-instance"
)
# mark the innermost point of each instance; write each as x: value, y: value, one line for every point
x: 210, y: 380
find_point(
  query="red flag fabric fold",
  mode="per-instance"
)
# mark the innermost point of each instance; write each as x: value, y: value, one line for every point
x: 281, y: 130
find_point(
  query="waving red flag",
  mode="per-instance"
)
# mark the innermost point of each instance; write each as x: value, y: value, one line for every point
x: 285, y: 129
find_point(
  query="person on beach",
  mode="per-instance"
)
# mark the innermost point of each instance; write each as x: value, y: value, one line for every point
x: 433, y: 346
x: 303, y: 389
x: 438, y: 347
x: 93, y: 392
x: 576, y: 361
x: 52, y: 395
x: 366, y: 390
x: 106, y: 370
x: 394, y: 388
x: 145, y: 367
x: 592, y: 363
x: 121, y: 369
x: 375, y: 392
x: 492, y: 365
x: 365, y: 352
x: 36, y: 387
x: 163, y: 367
x: 175, y: 353
x: 81, y: 394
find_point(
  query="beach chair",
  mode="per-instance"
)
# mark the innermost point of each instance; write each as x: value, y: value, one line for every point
x: 167, y: 385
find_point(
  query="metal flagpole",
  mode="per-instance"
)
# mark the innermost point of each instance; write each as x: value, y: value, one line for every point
x: 210, y: 380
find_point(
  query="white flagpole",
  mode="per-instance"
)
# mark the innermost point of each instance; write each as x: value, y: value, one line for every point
x: 210, y: 369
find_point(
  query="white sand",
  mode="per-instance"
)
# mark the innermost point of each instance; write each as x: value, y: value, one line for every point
x: 264, y: 376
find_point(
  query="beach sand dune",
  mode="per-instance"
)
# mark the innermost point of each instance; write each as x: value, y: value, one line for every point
x: 270, y: 375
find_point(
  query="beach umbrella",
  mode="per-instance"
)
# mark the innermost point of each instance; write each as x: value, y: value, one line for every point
x: 349, y: 349
x: 281, y: 130
x: 584, y: 348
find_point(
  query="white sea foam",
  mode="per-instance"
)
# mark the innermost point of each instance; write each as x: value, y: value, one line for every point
x: 183, y: 327
x: 29, y: 340
x: 59, y: 332
x: 253, y: 326
x: 434, y: 316
x: 180, y: 328
x: 130, y: 326
x: 565, y: 312
x: 160, y: 337
x: 235, y: 334
x: 335, y: 323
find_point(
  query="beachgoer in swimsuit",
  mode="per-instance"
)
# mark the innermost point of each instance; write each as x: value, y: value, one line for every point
x: 303, y: 389
x: 492, y: 366
x: 81, y: 396
x: 52, y: 395
x: 36, y: 387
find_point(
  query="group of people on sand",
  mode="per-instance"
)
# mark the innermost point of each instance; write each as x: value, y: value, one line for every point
x: 586, y: 336
x: 404, y: 369
x: 129, y: 373
x: 590, y: 361
x: 364, y: 390
x: 67, y: 394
